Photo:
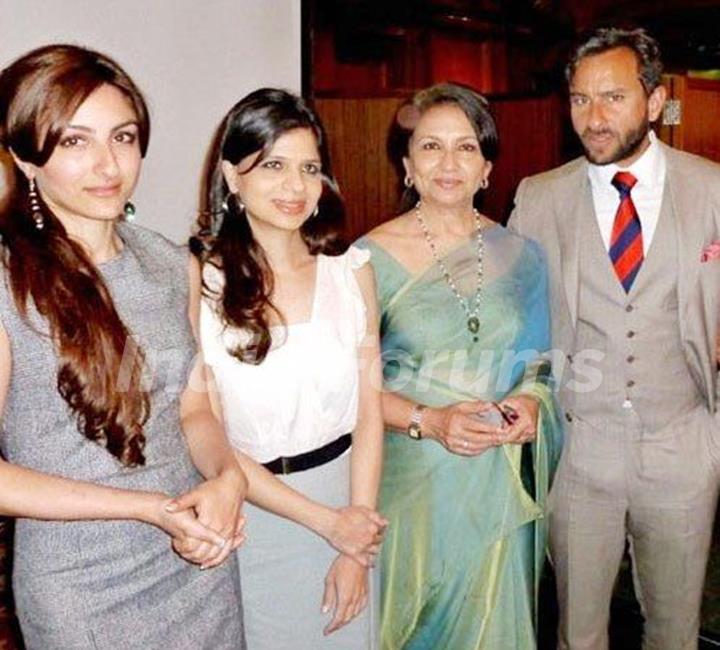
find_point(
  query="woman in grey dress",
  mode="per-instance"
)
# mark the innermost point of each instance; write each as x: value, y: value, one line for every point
x: 96, y: 352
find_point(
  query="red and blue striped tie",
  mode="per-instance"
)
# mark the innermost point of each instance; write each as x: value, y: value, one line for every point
x: 626, y: 244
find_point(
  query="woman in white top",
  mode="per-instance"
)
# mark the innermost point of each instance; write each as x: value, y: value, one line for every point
x: 289, y: 332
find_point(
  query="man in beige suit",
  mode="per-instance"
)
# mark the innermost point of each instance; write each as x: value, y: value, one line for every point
x: 632, y: 236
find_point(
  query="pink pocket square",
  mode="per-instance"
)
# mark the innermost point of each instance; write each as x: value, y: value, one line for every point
x: 711, y: 252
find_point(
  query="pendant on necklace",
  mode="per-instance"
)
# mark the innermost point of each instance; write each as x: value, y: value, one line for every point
x: 473, y: 324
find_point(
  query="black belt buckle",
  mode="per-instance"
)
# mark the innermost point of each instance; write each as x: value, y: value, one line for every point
x: 310, y: 459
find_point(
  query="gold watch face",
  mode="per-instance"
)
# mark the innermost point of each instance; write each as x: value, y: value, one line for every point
x: 414, y: 431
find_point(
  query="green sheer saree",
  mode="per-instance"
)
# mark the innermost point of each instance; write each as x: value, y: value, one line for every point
x: 466, y: 542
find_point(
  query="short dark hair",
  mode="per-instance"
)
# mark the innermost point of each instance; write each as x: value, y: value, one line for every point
x: 643, y: 46
x: 470, y: 102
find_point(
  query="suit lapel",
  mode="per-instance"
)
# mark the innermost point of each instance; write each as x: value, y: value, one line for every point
x: 576, y: 205
x: 697, y: 289
x: 690, y: 229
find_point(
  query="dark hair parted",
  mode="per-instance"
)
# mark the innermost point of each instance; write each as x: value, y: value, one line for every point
x: 643, y: 46
x: 470, y: 102
x: 39, y: 93
x: 224, y: 237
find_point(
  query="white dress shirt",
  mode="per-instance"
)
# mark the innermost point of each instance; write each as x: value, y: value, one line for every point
x: 647, y: 193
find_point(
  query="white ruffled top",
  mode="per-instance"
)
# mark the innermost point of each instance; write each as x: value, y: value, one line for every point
x: 305, y: 392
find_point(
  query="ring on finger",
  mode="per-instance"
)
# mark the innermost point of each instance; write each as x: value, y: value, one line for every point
x: 465, y: 444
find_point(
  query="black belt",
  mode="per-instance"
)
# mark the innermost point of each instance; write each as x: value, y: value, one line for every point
x: 310, y: 459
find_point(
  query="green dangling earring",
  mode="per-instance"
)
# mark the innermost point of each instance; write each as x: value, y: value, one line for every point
x: 129, y: 212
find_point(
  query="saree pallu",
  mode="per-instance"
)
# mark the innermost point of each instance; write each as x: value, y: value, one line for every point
x: 465, y: 547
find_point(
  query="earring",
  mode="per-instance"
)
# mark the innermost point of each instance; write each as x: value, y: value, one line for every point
x: 484, y: 183
x: 225, y: 205
x: 219, y: 217
x: 408, y: 181
x: 315, y: 212
x: 35, y: 210
x: 129, y: 211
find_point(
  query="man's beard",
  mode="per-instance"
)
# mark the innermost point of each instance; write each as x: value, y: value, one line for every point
x: 627, y: 145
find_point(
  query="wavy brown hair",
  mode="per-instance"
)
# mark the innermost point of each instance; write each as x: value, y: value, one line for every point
x: 39, y: 93
x: 223, y: 235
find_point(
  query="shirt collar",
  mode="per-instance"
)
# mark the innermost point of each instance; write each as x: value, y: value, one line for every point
x: 649, y: 169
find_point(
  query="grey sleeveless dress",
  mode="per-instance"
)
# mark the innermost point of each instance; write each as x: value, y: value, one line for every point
x: 114, y: 584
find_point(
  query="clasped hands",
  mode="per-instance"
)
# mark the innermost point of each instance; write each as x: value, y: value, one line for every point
x: 357, y: 533
x: 206, y: 523
x: 464, y: 428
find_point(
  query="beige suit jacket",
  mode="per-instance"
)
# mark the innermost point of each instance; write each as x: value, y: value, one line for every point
x: 549, y: 207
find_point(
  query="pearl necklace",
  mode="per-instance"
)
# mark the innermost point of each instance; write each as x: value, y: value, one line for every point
x: 473, y: 315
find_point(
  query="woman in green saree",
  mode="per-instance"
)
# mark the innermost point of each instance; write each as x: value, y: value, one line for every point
x: 465, y: 338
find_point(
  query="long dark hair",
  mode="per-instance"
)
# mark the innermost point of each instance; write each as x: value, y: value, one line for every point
x: 223, y: 235
x: 39, y: 93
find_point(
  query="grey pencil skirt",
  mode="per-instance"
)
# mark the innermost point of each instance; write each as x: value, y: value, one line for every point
x: 283, y: 566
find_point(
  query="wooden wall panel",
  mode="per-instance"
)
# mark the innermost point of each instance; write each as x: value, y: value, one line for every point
x: 481, y: 65
x: 701, y: 112
x: 698, y: 130
x: 330, y: 75
x: 357, y: 132
x: 530, y: 133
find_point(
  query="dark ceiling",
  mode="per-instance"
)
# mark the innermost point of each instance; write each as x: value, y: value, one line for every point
x: 688, y: 30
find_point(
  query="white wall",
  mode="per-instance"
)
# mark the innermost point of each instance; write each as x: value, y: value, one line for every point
x: 193, y: 60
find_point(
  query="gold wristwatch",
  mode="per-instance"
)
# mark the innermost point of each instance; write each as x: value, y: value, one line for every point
x: 414, y: 429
